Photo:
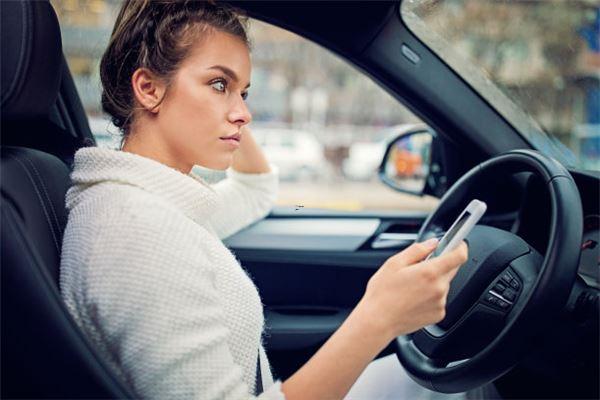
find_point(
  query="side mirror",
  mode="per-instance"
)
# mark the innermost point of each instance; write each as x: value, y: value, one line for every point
x: 414, y: 163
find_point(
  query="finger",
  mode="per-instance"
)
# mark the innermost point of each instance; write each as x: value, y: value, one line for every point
x: 452, y: 260
x: 416, y: 252
x: 450, y: 275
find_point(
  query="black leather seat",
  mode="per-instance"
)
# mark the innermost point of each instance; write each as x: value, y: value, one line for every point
x: 44, y: 354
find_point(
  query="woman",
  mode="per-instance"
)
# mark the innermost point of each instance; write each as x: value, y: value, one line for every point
x: 144, y: 271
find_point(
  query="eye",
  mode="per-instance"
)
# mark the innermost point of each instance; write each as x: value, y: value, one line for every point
x: 245, y: 95
x: 219, y: 85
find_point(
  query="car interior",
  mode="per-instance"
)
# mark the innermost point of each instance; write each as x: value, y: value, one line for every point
x: 538, y: 240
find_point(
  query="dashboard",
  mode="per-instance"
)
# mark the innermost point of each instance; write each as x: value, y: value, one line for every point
x: 522, y: 209
x: 589, y: 263
x: 533, y: 225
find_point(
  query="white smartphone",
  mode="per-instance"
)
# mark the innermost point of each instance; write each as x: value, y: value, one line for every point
x: 460, y: 228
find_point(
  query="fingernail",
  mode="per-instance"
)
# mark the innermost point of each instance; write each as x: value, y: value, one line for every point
x: 431, y: 242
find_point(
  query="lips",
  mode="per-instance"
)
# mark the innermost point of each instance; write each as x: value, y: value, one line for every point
x: 235, y: 137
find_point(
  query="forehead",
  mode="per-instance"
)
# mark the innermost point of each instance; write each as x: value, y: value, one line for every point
x: 220, y: 48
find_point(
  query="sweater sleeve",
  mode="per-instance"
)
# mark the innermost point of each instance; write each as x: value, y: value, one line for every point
x: 244, y: 199
x: 156, y: 307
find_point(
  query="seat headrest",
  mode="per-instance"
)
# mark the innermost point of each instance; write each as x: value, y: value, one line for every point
x: 31, y: 59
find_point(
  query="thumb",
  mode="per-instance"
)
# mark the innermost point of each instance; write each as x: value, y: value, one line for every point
x: 415, y: 252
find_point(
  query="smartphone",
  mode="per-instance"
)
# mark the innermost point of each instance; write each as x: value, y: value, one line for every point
x: 460, y: 228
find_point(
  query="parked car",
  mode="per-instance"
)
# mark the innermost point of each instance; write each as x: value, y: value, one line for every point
x: 298, y: 154
x: 538, y: 239
x: 106, y: 134
x: 364, y: 158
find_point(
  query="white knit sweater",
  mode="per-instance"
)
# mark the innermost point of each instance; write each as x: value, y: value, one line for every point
x: 146, y: 276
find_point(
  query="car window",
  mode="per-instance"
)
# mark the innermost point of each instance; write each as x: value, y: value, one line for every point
x: 537, y: 62
x: 321, y: 121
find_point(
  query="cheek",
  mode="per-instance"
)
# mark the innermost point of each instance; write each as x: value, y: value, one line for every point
x: 193, y: 113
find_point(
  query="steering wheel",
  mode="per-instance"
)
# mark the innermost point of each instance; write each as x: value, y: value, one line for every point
x: 507, y: 293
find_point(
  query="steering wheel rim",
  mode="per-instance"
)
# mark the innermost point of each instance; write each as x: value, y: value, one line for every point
x: 547, y: 293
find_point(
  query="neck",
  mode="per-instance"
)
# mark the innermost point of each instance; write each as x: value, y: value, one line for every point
x: 146, y: 144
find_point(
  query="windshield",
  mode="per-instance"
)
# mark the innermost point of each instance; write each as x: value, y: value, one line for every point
x: 536, y: 62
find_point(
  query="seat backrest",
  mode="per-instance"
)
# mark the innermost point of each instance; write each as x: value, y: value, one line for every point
x: 34, y: 185
x: 44, y: 353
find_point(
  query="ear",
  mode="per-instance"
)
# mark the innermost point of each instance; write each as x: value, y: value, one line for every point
x: 147, y: 89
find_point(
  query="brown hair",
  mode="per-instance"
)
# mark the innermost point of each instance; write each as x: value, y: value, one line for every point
x: 157, y: 35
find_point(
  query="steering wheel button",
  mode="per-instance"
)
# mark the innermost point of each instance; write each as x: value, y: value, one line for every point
x: 499, y: 288
x: 509, y: 295
x: 502, y: 304
x: 506, y: 277
x: 514, y: 284
x: 490, y: 298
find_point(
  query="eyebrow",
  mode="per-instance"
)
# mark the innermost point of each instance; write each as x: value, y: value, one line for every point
x: 228, y: 72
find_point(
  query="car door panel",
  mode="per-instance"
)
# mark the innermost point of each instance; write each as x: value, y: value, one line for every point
x: 298, y: 327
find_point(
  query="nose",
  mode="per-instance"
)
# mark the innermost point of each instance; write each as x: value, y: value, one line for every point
x: 239, y: 114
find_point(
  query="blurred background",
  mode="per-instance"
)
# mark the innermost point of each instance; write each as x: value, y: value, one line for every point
x: 325, y: 124
x: 537, y: 56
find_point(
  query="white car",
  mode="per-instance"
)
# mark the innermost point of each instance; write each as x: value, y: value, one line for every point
x: 106, y: 134
x: 364, y: 158
x: 298, y: 154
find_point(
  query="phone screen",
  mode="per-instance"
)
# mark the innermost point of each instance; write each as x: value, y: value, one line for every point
x: 451, y: 233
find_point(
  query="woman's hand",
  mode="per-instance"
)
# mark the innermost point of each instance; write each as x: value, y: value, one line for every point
x: 249, y: 157
x: 407, y: 293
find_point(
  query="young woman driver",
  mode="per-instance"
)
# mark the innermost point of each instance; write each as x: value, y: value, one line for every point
x: 144, y: 271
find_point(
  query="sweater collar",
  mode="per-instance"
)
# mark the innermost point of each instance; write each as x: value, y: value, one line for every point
x: 189, y: 193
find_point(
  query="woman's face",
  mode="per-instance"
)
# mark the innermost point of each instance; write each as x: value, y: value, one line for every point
x: 205, y: 103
